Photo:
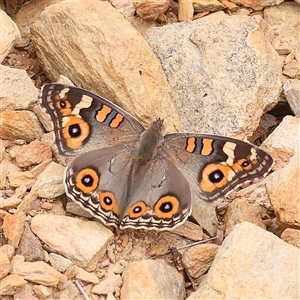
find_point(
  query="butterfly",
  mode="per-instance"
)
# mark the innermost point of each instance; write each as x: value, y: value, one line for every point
x: 131, y: 177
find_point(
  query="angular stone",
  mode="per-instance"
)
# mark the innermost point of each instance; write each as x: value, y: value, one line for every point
x: 108, y: 285
x: 204, y: 5
x: 6, y: 166
x: 13, y: 227
x: 38, y: 272
x: 43, y: 292
x: 30, y: 246
x: 283, y: 189
x: 198, y: 259
x: 17, y: 179
x: 150, y: 10
x: 4, y: 264
x: 257, y: 4
x: 85, y: 276
x: 291, y: 236
x: 152, y: 279
x: 49, y: 184
x: 32, y: 154
x: 59, y: 262
x: 244, y: 267
x: 146, y: 96
x: 239, y: 210
x: 59, y: 237
x: 19, y: 125
x: 9, y: 35
x: 11, y: 284
x: 291, y: 90
x: 17, y: 89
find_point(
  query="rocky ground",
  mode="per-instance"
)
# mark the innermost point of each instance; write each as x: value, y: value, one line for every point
x: 221, y: 67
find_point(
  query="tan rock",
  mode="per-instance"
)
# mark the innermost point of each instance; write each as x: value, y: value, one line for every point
x: 198, y: 259
x: 85, y: 276
x: 59, y: 238
x: 246, y: 260
x: 292, y: 69
x: 9, y: 34
x: 189, y: 230
x: 8, y: 250
x: 112, y: 74
x: 17, y: 179
x: 291, y: 236
x: 150, y: 10
x: 59, y: 262
x: 126, y: 8
x: 43, y: 292
x: 185, y: 10
x: 32, y: 154
x: 152, y: 279
x: 239, y: 210
x: 4, y: 264
x: 285, y: 22
x: 257, y: 4
x: 291, y: 90
x: 17, y: 89
x: 108, y: 285
x: 38, y: 272
x: 6, y: 166
x: 11, y: 284
x: 19, y: 125
x: 283, y: 188
x: 9, y: 203
x: 49, y: 184
x: 207, y: 5
x: 13, y: 227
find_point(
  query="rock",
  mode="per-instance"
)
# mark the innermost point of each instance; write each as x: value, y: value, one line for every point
x: 202, y: 85
x: 9, y: 203
x: 108, y: 285
x: 292, y: 70
x: 284, y: 138
x: 49, y: 184
x: 17, y: 89
x: 204, y: 5
x: 285, y: 22
x: 59, y: 262
x: 70, y: 291
x: 146, y: 96
x: 185, y: 10
x: 17, y: 179
x: 6, y: 166
x: 283, y: 191
x: 13, y: 227
x: 189, y: 230
x: 257, y: 4
x: 246, y: 261
x: 150, y: 10
x: 126, y: 8
x: 152, y: 279
x: 198, y: 259
x: 8, y: 250
x: 291, y: 90
x: 85, y: 276
x: 30, y: 246
x: 43, y: 292
x: 26, y: 16
x: 9, y: 35
x: 59, y: 237
x: 4, y: 264
x: 38, y: 272
x: 239, y: 210
x: 19, y: 125
x: 32, y: 154
x: 291, y: 236
x: 11, y: 284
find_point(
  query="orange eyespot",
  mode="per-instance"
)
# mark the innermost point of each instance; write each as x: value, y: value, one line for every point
x: 64, y: 107
x: 166, y: 207
x: 75, y: 131
x: 108, y: 202
x: 215, y: 176
x: 87, y: 180
x: 137, y: 210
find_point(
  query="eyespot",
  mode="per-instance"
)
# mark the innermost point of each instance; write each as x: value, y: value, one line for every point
x: 215, y: 176
x: 87, y: 180
x: 166, y: 207
x: 64, y: 107
x: 75, y: 131
x: 108, y: 202
x: 137, y: 210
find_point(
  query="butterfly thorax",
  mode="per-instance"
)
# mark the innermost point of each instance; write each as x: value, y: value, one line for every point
x: 149, y: 143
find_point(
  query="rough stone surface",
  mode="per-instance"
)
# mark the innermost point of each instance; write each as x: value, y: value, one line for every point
x: 227, y: 278
x: 291, y: 90
x: 38, y: 272
x: 4, y: 264
x: 198, y: 259
x: 285, y: 22
x: 19, y: 125
x: 50, y: 182
x: 114, y: 57
x: 108, y: 285
x: 9, y: 34
x: 291, y: 236
x: 17, y: 90
x: 239, y: 210
x: 152, y: 279
x: 11, y: 284
x: 257, y: 4
x: 150, y: 10
x: 59, y: 237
